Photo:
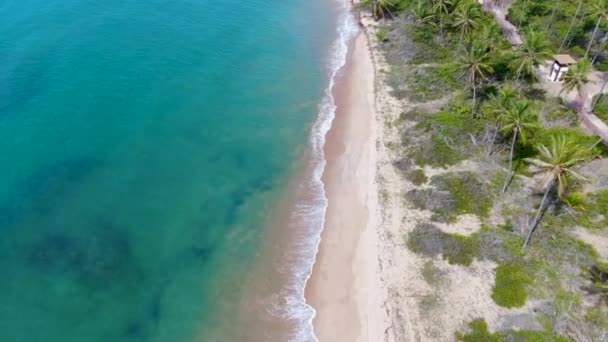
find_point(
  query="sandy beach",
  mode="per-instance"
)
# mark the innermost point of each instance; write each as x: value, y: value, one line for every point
x: 366, y: 284
x: 344, y: 288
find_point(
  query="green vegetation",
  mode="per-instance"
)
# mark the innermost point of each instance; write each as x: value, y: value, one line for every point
x: 601, y: 107
x: 479, y: 112
x: 382, y: 36
x: 452, y: 195
x: 467, y: 193
x: 457, y: 249
x: 417, y: 177
x: 479, y: 333
x: 510, y: 287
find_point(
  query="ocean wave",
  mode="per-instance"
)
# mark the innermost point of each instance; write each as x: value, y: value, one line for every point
x: 309, y: 216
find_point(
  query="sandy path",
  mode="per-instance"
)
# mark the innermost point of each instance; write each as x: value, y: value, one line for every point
x: 345, y: 288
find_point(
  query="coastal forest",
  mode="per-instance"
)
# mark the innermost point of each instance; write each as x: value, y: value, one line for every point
x: 485, y: 133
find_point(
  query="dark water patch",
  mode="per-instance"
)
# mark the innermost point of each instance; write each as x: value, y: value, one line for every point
x: 42, y: 189
x: 101, y: 258
x: 27, y: 79
x: 142, y: 328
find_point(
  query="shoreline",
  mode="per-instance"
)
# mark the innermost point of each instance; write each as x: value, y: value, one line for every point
x: 344, y: 287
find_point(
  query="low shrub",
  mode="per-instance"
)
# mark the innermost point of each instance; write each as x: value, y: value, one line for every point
x: 429, y: 240
x: 467, y: 193
x: 510, y: 287
x: 479, y: 333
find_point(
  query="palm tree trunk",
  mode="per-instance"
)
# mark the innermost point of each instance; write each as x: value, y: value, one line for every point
x: 552, y: 16
x: 474, y: 98
x: 580, y: 3
x: 539, y: 215
x: 441, y: 30
x: 598, y: 51
x: 491, y: 149
x: 510, y: 174
x: 599, y: 20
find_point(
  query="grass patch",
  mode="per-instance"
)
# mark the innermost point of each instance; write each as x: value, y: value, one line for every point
x: 430, y: 272
x: 417, y: 177
x: 601, y: 108
x: 429, y: 240
x: 479, y: 333
x: 595, y: 213
x: 510, y: 287
x: 447, y: 136
x: 452, y: 195
x: 468, y: 195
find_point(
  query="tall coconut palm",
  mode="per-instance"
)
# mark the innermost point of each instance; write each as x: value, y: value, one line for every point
x: 518, y: 121
x: 533, y: 52
x: 441, y: 9
x: 496, y: 107
x: 476, y: 67
x: 578, y: 10
x: 466, y: 18
x: 576, y: 77
x: 600, y: 9
x: 556, y: 163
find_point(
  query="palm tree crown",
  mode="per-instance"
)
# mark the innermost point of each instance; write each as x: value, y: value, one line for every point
x: 518, y: 121
x: 476, y: 66
x: 600, y: 10
x: 577, y: 76
x: 531, y: 54
x: 467, y: 18
x: 556, y: 163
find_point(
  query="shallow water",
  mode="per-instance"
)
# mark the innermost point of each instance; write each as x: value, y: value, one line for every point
x: 142, y: 145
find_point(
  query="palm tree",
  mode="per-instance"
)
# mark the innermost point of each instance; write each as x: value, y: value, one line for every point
x: 496, y: 107
x: 517, y: 121
x: 382, y: 8
x: 556, y: 163
x: 577, y: 77
x: 578, y: 10
x: 553, y: 9
x: 475, y: 64
x: 421, y: 13
x: 533, y: 52
x: 466, y: 18
x: 600, y: 9
x: 440, y: 9
x: 490, y: 34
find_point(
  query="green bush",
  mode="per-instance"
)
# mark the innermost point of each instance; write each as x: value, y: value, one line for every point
x: 382, y: 36
x: 461, y: 250
x: 510, y: 287
x: 417, y: 177
x: 479, y: 333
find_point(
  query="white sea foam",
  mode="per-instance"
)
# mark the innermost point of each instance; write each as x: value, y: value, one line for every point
x: 309, y: 217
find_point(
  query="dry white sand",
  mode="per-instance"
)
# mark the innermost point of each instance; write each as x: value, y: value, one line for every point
x: 345, y: 288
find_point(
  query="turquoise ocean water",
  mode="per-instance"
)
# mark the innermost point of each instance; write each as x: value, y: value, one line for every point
x: 142, y: 144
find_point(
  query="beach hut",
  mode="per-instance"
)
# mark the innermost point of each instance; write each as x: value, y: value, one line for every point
x: 561, y: 64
